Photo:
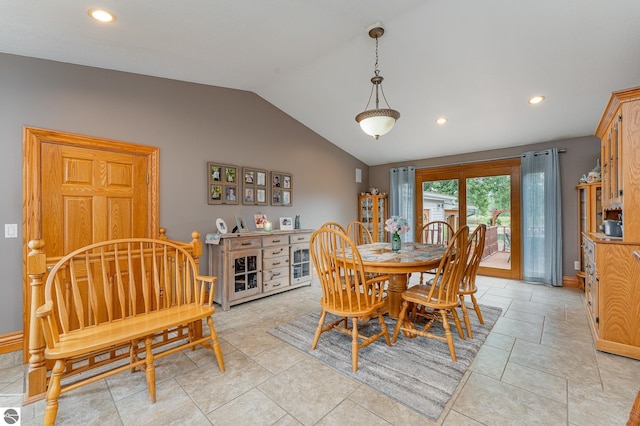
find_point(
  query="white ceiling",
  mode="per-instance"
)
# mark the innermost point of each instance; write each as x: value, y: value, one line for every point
x: 474, y: 61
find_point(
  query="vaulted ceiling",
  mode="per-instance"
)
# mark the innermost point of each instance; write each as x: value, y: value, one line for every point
x: 474, y: 62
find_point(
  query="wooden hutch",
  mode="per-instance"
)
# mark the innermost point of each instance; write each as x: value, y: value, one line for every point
x: 612, y: 271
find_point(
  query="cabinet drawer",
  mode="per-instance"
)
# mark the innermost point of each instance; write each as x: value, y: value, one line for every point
x: 275, y: 251
x: 274, y: 240
x: 275, y: 274
x: 275, y: 284
x: 275, y: 262
x: 299, y: 238
x: 244, y: 243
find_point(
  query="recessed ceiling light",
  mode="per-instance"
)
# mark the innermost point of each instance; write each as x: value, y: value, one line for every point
x: 102, y: 15
x: 536, y: 100
x: 441, y: 120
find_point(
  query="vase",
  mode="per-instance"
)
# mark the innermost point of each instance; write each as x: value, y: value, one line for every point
x: 396, y: 242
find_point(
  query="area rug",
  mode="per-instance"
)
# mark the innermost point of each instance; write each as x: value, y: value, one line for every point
x: 416, y: 372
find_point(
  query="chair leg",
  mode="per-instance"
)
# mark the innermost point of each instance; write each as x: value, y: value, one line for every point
x: 456, y: 320
x: 53, y: 392
x: 477, y: 309
x: 323, y: 315
x: 383, y: 327
x: 448, y: 335
x: 150, y: 369
x: 215, y: 344
x: 354, y: 344
x: 401, y: 319
x: 465, y: 316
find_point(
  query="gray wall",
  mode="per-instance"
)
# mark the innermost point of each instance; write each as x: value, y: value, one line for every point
x: 190, y: 123
x: 579, y: 159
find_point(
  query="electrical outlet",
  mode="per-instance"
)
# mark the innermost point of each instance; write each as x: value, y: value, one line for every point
x: 576, y: 265
x: 11, y: 230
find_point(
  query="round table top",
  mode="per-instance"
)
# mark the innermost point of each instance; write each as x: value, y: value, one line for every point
x: 412, y: 257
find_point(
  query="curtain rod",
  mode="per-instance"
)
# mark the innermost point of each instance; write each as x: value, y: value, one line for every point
x: 510, y: 157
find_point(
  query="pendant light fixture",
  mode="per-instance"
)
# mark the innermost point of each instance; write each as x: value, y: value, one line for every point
x: 377, y: 122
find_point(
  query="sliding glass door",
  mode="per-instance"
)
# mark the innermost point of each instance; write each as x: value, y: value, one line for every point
x: 473, y: 194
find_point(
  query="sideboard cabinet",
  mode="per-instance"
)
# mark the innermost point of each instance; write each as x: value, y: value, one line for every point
x: 372, y: 212
x: 252, y: 265
x: 589, y: 216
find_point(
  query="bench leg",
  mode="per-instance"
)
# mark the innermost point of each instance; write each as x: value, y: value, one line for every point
x: 216, y: 345
x: 53, y: 392
x: 150, y: 370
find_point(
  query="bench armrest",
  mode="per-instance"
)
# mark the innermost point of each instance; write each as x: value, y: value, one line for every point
x: 212, y: 281
x: 44, y: 314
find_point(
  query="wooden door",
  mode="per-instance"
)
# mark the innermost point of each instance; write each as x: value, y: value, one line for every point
x: 91, y: 195
x: 78, y: 190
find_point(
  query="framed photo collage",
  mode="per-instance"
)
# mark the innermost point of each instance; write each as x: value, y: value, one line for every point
x: 228, y: 184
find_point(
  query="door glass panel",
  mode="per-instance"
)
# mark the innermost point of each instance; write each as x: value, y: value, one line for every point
x: 440, y: 202
x: 489, y: 203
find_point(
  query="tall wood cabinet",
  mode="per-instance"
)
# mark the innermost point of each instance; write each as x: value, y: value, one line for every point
x: 372, y: 212
x: 258, y: 264
x: 589, y: 215
x: 612, y: 273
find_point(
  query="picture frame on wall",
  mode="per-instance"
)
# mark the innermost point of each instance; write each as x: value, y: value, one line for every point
x: 252, y: 180
x: 222, y: 185
x: 261, y: 196
x: 215, y: 194
x: 281, y: 189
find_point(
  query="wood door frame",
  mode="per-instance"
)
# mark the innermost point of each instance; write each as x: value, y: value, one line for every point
x: 509, y: 167
x: 33, y: 138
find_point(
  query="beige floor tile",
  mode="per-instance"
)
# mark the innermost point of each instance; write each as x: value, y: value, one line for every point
x: 524, y: 316
x: 619, y: 374
x: 280, y: 358
x: 287, y: 420
x: 253, y: 340
x: 309, y: 390
x: 511, y: 292
x: 518, y: 329
x: 388, y: 408
x: 350, y: 413
x: 210, y: 389
x: 590, y: 405
x: 251, y: 408
x: 538, y: 308
x: 536, y: 381
x: 173, y: 406
x: 456, y: 419
x: 490, y: 361
x: 492, y: 402
x: 500, y: 341
x: 580, y: 367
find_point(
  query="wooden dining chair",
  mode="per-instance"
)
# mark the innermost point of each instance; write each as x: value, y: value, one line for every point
x: 634, y: 414
x: 347, y: 292
x: 439, y: 299
x: 435, y: 232
x: 468, y: 283
x: 359, y: 233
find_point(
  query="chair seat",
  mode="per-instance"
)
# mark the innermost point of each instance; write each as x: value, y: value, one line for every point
x: 419, y: 294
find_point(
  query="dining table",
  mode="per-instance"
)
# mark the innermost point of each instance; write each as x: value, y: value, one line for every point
x: 412, y: 257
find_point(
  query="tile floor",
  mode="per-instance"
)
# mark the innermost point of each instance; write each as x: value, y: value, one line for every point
x: 538, y: 366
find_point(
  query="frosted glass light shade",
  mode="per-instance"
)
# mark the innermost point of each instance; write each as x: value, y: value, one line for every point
x: 377, y: 122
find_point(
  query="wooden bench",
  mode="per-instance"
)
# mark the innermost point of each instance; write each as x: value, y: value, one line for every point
x: 122, y: 294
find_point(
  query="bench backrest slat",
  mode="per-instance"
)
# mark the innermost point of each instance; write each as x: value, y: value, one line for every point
x: 109, y: 281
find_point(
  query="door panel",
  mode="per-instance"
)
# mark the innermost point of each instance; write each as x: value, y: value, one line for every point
x: 487, y: 188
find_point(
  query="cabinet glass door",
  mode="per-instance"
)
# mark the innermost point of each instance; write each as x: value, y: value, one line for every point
x: 300, y: 264
x: 245, y: 275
